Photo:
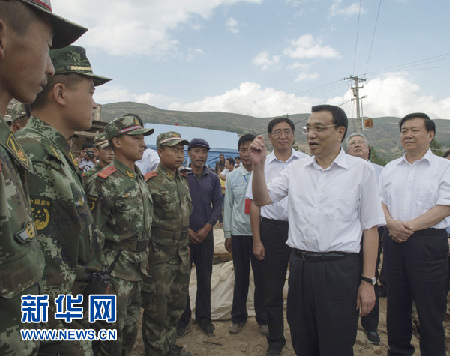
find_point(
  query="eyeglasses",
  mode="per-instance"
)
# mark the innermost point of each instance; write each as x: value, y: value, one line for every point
x: 317, y: 129
x: 279, y: 132
x: 353, y: 143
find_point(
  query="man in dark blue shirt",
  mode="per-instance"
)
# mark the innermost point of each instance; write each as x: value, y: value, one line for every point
x: 206, y: 195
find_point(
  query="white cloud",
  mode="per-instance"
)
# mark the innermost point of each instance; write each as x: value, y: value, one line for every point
x: 251, y: 99
x: 263, y: 60
x: 113, y: 93
x: 308, y: 47
x: 389, y: 95
x: 297, y: 65
x: 232, y: 25
x: 306, y: 76
x: 194, y: 52
x: 137, y: 27
x: 394, y: 94
x: 352, y: 9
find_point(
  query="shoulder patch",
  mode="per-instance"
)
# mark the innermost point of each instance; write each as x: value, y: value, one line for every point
x: 17, y: 150
x: 106, y: 172
x: 150, y: 175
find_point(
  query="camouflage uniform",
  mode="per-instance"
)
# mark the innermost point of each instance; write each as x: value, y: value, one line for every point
x: 61, y: 212
x: 164, y: 292
x: 21, y: 260
x: 122, y: 209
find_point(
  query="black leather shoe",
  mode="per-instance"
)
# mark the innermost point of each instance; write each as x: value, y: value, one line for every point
x: 207, y: 327
x: 273, y: 351
x: 373, y: 337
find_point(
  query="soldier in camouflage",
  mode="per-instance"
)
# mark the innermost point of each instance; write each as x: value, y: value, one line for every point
x: 19, y: 115
x: 60, y: 209
x: 26, y: 30
x: 122, y: 209
x: 105, y: 155
x: 164, y: 292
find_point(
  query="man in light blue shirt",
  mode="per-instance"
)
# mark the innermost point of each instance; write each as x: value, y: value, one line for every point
x: 239, y: 241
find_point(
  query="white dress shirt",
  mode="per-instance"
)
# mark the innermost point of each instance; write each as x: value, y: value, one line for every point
x: 377, y: 168
x: 272, y: 168
x: 329, y: 208
x: 410, y: 190
x: 149, y: 161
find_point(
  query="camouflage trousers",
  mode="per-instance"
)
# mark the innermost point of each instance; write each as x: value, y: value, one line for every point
x: 10, y: 324
x: 66, y: 347
x: 164, y: 296
x: 128, y: 307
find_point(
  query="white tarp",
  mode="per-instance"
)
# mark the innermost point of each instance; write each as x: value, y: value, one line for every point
x: 222, y: 285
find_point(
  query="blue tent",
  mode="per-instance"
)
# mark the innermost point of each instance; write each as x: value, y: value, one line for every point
x: 219, y: 141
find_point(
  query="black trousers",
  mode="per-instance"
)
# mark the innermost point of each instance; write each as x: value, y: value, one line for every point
x: 242, y: 250
x: 370, y: 321
x: 274, y: 235
x: 416, y: 269
x: 202, y: 256
x: 321, y: 305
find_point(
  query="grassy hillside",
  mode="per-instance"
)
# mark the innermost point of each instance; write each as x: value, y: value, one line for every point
x: 384, y: 136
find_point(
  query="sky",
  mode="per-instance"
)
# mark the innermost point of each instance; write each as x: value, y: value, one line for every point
x: 266, y: 58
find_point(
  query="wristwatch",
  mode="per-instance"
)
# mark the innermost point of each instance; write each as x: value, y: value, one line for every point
x: 372, y: 281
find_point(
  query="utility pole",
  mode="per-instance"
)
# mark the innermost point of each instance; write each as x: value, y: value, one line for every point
x: 355, y: 90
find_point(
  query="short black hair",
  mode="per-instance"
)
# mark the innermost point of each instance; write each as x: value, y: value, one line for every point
x: 429, y: 124
x: 69, y: 80
x: 237, y: 157
x: 339, y: 116
x: 245, y: 138
x: 18, y: 15
x: 231, y: 160
x: 447, y: 153
x: 277, y: 120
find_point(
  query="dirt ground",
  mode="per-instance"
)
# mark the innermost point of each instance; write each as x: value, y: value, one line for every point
x: 251, y: 343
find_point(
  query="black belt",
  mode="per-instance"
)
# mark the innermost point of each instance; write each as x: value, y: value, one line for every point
x: 320, y: 256
x: 129, y: 245
x: 275, y: 222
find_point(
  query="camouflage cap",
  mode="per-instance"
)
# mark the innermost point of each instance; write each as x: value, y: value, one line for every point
x: 16, y: 110
x: 126, y: 125
x: 72, y: 59
x: 8, y: 119
x: 101, y: 141
x: 65, y: 31
x: 170, y: 138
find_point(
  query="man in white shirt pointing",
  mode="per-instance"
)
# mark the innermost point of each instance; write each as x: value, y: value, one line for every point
x: 415, y: 192
x: 333, y: 199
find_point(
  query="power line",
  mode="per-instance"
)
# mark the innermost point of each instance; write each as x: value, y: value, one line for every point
x: 438, y: 58
x: 357, y: 35
x: 373, y: 35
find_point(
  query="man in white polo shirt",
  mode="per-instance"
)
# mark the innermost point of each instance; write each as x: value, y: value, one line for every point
x: 333, y: 199
x: 415, y: 192
x: 270, y: 228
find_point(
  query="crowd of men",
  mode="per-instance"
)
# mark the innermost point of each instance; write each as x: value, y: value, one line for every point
x: 64, y: 221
